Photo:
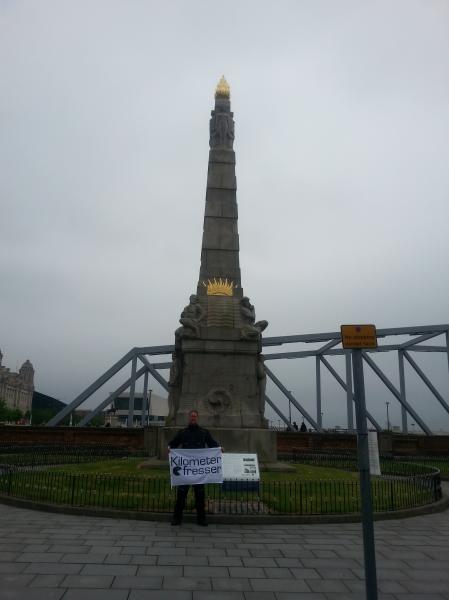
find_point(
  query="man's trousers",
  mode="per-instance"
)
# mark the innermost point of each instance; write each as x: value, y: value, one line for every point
x: 181, y: 496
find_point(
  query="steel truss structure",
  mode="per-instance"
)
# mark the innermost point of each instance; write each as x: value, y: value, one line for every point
x: 141, y: 363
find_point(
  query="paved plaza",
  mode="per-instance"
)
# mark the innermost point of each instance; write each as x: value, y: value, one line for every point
x: 46, y: 555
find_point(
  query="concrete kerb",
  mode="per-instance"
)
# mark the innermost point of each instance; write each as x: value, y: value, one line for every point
x: 436, y: 507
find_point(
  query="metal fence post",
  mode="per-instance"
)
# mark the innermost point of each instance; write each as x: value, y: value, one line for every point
x: 73, y: 491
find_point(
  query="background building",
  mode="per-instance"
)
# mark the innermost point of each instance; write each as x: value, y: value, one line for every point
x: 16, y: 389
x: 117, y: 415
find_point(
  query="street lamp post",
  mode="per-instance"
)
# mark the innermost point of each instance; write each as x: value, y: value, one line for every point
x: 388, y: 416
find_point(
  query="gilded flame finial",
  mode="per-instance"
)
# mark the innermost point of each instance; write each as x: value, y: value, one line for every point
x: 223, y: 88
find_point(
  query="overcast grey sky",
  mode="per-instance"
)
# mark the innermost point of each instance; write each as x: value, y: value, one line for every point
x: 342, y: 143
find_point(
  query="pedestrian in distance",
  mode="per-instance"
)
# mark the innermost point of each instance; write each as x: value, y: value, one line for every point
x: 193, y: 436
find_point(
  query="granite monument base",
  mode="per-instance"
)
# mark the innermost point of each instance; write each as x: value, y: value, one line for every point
x: 258, y: 441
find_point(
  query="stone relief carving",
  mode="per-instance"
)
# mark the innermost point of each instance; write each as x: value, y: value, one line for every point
x: 218, y: 400
x: 251, y: 330
x: 262, y: 383
x: 175, y: 371
x: 174, y: 387
x: 191, y: 317
x: 221, y: 130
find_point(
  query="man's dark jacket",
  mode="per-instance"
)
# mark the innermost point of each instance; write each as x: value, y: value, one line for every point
x: 193, y: 436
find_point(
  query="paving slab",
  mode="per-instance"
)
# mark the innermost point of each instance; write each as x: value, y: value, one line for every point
x: 212, y: 595
x: 137, y: 582
x: 231, y: 584
x: 53, y: 568
x: 87, y: 581
x: 187, y: 583
x: 68, y: 557
x: 95, y: 594
x: 159, y: 595
x: 115, y: 570
x: 31, y: 593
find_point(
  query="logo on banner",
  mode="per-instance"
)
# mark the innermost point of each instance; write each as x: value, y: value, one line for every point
x: 196, y: 466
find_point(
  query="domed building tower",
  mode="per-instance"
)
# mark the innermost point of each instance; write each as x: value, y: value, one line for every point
x: 16, y: 389
x: 27, y: 373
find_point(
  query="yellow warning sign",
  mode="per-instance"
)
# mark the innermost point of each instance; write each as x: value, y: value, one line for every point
x: 358, y: 336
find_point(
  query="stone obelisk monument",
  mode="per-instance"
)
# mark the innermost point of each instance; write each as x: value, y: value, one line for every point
x: 217, y: 367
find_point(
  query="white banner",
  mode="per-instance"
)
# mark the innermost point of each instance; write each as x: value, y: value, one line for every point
x: 195, y: 466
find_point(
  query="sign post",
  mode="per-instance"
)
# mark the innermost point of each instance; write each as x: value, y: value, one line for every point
x: 356, y: 337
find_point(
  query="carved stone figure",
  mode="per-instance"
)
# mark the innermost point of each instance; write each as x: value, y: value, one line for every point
x: 221, y: 130
x: 247, y: 310
x: 191, y: 317
x: 262, y: 381
x: 250, y: 330
x: 174, y: 383
x: 175, y: 371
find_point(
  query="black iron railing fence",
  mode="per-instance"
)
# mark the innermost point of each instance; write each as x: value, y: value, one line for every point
x: 25, y: 473
x: 348, y: 462
x: 272, y: 497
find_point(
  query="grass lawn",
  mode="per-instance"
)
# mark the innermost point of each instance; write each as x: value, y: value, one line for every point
x: 130, y: 467
x: 442, y: 465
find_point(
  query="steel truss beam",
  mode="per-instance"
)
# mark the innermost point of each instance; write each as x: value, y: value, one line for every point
x: 154, y: 373
x: 292, y: 399
x: 92, y: 388
x: 395, y: 392
x: 402, y: 389
x: 107, y: 401
x: 333, y: 372
x: 427, y: 381
x: 332, y: 339
x: 418, y: 340
x: 132, y: 389
x: 145, y: 405
x: 277, y: 410
x: 341, y: 352
x: 335, y: 335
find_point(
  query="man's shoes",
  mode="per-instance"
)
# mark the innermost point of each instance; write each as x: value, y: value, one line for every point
x: 203, y: 523
x: 175, y: 522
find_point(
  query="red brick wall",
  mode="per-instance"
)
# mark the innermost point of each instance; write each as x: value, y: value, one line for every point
x: 132, y: 439
x: 138, y: 439
x: 400, y: 445
x: 287, y: 440
x: 424, y: 445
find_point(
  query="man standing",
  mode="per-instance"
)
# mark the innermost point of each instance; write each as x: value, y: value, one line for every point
x: 193, y: 436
